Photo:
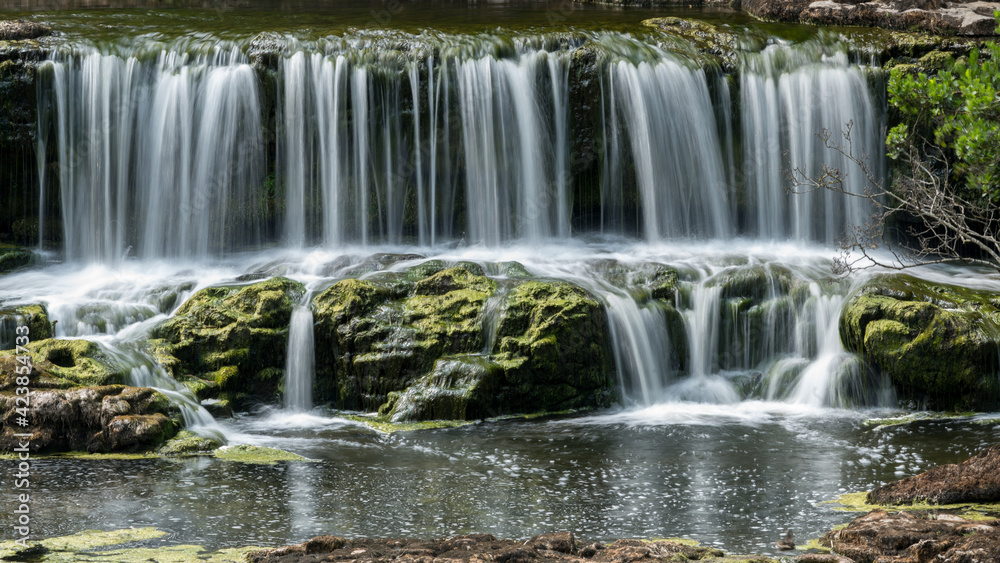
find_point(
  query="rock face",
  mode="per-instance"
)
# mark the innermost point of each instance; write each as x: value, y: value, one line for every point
x: 483, y: 547
x: 937, y: 343
x: 230, y: 342
x: 905, y: 537
x: 440, y: 342
x: 111, y: 418
x: 975, y: 480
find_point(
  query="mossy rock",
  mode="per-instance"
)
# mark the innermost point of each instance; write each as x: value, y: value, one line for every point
x: 255, y: 454
x: 11, y: 260
x: 110, y: 418
x: 458, y: 388
x: 377, y: 337
x: 937, y: 343
x: 234, y: 337
x: 412, y: 348
x: 63, y: 364
x: 35, y: 317
x: 189, y: 443
x: 552, y: 344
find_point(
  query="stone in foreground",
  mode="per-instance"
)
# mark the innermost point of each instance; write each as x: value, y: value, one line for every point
x: 975, y: 480
x: 905, y: 537
x: 561, y: 546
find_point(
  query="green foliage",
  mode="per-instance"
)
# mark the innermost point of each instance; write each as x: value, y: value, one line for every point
x: 953, y: 116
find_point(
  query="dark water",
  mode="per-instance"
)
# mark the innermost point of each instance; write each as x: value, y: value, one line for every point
x: 732, y: 477
x: 111, y: 20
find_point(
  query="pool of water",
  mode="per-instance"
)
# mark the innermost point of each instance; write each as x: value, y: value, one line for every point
x: 113, y: 21
x: 733, y: 477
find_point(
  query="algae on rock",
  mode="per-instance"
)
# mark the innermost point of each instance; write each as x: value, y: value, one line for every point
x: 412, y: 345
x: 231, y: 340
x: 937, y: 343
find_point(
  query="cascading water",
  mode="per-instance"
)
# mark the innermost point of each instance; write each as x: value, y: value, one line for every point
x: 160, y: 157
x: 474, y: 139
x: 300, y: 366
x: 453, y: 139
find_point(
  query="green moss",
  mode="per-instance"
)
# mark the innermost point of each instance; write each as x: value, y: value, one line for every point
x: 233, y: 338
x: 937, y: 343
x: 67, y: 363
x: 858, y: 502
x: 96, y: 545
x: 386, y: 426
x: 188, y: 443
x: 255, y: 454
x: 11, y: 260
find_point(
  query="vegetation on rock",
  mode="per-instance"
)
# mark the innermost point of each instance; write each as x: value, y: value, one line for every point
x: 230, y: 342
x: 936, y: 343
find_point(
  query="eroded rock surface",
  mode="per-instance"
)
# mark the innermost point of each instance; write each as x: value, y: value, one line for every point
x: 905, y: 537
x: 561, y: 547
x: 110, y: 418
x: 975, y: 480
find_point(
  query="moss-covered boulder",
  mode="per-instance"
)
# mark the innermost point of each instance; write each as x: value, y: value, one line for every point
x: 188, y: 443
x: 110, y: 418
x: 35, y: 317
x: 374, y: 337
x: 231, y: 341
x: 937, y: 343
x: 552, y: 345
x: 413, y: 345
x: 12, y: 259
x: 62, y: 364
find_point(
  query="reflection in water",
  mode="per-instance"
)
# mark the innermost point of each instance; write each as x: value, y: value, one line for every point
x: 730, y: 482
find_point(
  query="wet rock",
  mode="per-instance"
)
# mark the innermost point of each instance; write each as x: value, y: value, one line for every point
x: 189, y: 443
x: 111, y: 418
x: 16, y: 30
x: 62, y: 364
x: 975, y: 480
x: 484, y: 548
x: 14, y: 259
x: 412, y: 345
x: 35, y: 317
x: 562, y: 542
x: 936, y: 16
x: 234, y: 337
x: 937, y: 343
x: 905, y: 537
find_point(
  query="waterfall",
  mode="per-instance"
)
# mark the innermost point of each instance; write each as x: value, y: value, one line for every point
x: 787, y: 99
x: 164, y: 156
x: 196, y: 418
x: 300, y: 365
x: 668, y: 119
x: 641, y: 345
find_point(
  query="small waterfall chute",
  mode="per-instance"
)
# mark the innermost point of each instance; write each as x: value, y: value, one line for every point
x: 301, y: 361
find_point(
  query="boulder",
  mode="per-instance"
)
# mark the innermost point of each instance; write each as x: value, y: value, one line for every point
x: 230, y: 342
x: 13, y: 259
x: 416, y: 345
x: 975, y: 480
x: 110, y: 418
x: 937, y: 343
x: 906, y: 537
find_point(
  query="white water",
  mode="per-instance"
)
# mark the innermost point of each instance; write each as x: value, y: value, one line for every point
x: 300, y: 366
x: 165, y: 156
x: 470, y: 140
